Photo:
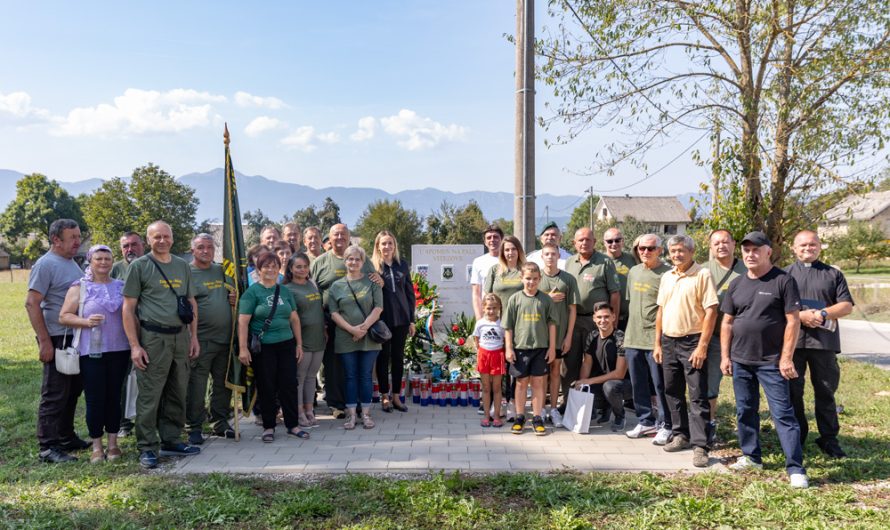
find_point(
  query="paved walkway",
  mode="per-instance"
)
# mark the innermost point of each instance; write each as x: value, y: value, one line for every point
x: 428, y: 439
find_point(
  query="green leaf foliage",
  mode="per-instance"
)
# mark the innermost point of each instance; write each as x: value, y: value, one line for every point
x: 405, y: 225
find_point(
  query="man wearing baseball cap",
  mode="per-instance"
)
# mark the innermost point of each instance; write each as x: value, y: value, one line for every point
x: 759, y: 332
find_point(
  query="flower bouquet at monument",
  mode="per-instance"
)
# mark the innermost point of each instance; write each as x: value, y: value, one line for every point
x: 420, y: 347
x: 460, y: 353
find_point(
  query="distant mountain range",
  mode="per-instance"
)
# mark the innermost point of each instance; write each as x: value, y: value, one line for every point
x: 277, y: 199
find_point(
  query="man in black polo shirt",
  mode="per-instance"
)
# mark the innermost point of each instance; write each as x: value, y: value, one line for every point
x: 824, y: 299
x: 759, y: 330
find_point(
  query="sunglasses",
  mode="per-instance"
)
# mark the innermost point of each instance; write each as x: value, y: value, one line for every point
x: 613, y: 241
x: 646, y: 249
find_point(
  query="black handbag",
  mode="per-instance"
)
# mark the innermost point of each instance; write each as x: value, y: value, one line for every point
x: 255, y: 341
x: 379, y: 331
x: 183, y: 306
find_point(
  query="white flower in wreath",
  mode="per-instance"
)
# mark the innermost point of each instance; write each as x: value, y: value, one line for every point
x: 437, y: 357
x: 423, y: 312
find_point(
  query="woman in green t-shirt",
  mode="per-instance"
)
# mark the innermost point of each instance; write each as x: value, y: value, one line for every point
x: 312, y: 327
x: 504, y: 280
x: 282, y: 346
x: 355, y: 303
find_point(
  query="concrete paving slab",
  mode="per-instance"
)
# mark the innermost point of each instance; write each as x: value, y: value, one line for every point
x: 431, y: 438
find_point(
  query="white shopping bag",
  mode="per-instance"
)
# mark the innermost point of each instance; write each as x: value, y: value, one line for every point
x: 132, y: 391
x: 578, y: 410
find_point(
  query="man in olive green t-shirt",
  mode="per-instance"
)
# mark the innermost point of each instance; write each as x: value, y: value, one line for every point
x: 215, y: 307
x: 160, y: 345
x: 613, y: 241
x: 325, y: 270
x: 643, y: 282
x: 562, y: 289
x: 724, y: 268
x: 597, y: 281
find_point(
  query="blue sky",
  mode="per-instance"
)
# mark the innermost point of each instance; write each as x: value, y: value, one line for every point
x: 395, y: 95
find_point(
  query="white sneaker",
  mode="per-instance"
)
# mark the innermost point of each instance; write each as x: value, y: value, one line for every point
x: 511, y: 411
x: 745, y: 463
x: 641, y: 430
x: 662, y: 437
x: 799, y: 480
x: 556, y: 418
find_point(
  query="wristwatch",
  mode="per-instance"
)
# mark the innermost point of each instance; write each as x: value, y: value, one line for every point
x: 824, y: 314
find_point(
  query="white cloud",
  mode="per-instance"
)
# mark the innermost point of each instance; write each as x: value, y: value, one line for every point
x: 243, y: 99
x: 262, y: 124
x: 302, y: 138
x: 19, y: 105
x: 366, y: 128
x: 329, y: 137
x: 417, y: 132
x: 142, y: 111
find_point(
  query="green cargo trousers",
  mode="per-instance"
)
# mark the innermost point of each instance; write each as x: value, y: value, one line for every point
x: 160, y: 404
x: 213, y: 361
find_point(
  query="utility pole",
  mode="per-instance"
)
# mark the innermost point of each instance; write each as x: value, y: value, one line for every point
x: 590, y: 202
x: 547, y: 215
x: 524, y: 155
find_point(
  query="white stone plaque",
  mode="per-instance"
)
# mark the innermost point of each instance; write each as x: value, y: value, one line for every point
x: 446, y: 267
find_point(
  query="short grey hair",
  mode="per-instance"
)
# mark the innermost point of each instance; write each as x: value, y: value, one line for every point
x: 684, y: 240
x: 60, y: 225
x: 658, y: 241
x: 355, y: 249
x: 203, y: 235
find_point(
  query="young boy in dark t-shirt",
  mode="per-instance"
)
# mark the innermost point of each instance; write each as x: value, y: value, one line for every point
x: 530, y: 341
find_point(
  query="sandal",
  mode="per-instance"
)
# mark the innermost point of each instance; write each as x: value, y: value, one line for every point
x: 268, y: 437
x: 97, y: 456
x: 367, y: 422
x: 497, y: 423
x: 310, y: 415
x: 386, y: 405
x: 399, y: 406
x: 486, y: 422
x: 114, y: 453
x: 350, y: 420
x: 299, y: 433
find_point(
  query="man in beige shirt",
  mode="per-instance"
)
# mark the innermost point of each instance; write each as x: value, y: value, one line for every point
x: 687, y: 311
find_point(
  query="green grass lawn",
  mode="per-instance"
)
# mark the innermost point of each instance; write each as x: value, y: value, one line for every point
x: 852, y: 493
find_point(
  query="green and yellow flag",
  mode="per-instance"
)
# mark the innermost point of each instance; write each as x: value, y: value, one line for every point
x: 238, y: 378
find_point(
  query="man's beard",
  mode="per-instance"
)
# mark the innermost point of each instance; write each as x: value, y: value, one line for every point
x: 130, y: 257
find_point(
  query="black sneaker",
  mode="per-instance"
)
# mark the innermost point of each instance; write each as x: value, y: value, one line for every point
x: 179, y: 449
x: 196, y: 438
x: 518, y: 424
x: 148, y: 459
x: 54, y: 455
x: 712, y: 433
x: 538, y: 426
x: 604, y: 416
x: 75, y: 444
x: 831, y: 448
x: 228, y: 432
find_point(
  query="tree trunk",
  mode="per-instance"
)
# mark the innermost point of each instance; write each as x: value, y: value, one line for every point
x: 750, y: 148
x: 775, y: 227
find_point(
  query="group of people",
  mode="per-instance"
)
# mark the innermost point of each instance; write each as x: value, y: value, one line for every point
x: 658, y: 337
x: 635, y: 330
x: 170, y: 323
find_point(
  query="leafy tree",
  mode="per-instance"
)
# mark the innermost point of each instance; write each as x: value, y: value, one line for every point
x: 404, y: 224
x: 795, y: 90
x: 580, y: 217
x: 38, y: 202
x: 863, y: 241
x: 324, y: 218
x: 151, y: 194
x: 255, y: 222
x: 506, y: 225
x: 451, y: 225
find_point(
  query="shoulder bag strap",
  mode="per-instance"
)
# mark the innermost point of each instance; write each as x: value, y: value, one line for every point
x: 158, y: 265
x: 268, y: 321
x: 77, y: 331
x: 726, y: 276
x: 360, y: 308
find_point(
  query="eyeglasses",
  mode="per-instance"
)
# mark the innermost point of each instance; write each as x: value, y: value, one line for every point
x: 646, y: 249
x: 614, y: 241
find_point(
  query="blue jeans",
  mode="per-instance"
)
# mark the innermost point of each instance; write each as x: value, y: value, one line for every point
x: 745, y: 382
x: 643, y: 370
x: 357, y: 366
